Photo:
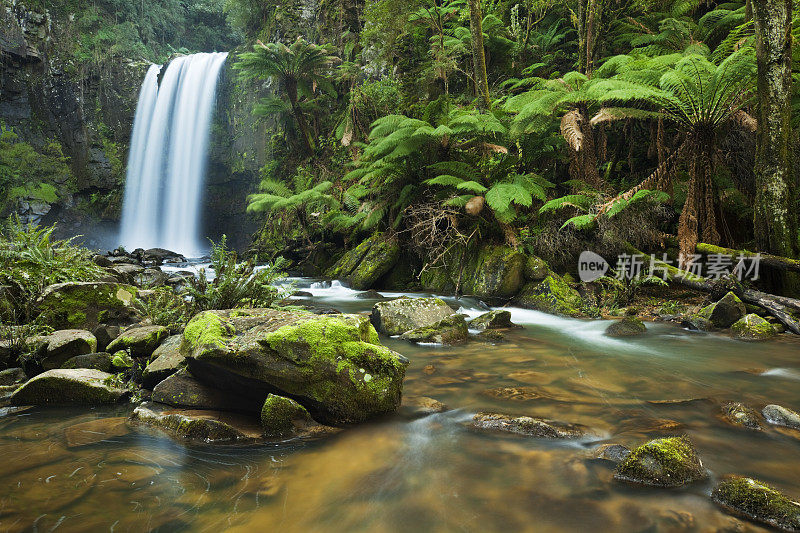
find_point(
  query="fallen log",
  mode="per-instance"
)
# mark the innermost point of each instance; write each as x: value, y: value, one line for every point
x: 774, y: 261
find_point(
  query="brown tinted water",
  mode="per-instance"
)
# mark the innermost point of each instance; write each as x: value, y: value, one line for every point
x: 432, y: 474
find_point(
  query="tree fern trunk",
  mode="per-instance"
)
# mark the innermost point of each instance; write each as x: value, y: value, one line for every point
x: 698, y: 212
x: 302, y: 125
x: 774, y: 217
x: 478, y: 53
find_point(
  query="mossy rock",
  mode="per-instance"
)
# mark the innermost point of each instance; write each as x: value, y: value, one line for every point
x: 757, y: 501
x: 552, y: 295
x: 536, y: 269
x: 725, y: 311
x: 497, y: 319
x: 12, y: 376
x: 738, y: 414
x: 781, y: 416
x: 85, y: 305
x: 397, y: 316
x: 667, y: 462
x: 65, y: 344
x: 491, y: 271
x: 450, y: 330
x: 98, y: 361
x: 281, y: 416
x: 181, y: 389
x: 141, y: 342
x: 753, y: 328
x: 525, y: 425
x: 333, y: 365
x: 626, y: 327
x: 368, y: 262
x: 79, y: 386
x: 165, y: 361
x: 197, y: 424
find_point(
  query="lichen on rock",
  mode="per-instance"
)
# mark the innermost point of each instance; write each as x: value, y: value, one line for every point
x: 753, y: 328
x: 397, y: 316
x: 552, y: 295
x: 85, y: 305
x: 757, y: 501
x: 667, y: 462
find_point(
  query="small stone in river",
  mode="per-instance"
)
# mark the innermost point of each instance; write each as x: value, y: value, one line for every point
x: 616, y: 453
x: 428, y: 369
x: 491, y: 336
x: 753, y: 328
x: 497, y: 319
x: 371, y: 294
x: 757, y: 501
x: 724, y: 312
x: 449, y: 330
x: 667, y: 462
x: 528, y: 426
x: 626, y: 327
x: 419, y: 406
x: 781, y: 416
x: 738, y: 414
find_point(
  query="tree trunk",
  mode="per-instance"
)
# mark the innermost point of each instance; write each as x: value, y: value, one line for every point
x: 775, y: 221
x: 592, y: 28
x: 698, y: 218
x: 302, y: 125
x: 478, y: 54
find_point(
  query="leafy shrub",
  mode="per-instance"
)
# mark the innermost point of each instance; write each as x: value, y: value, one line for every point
x: 163, y: 307
x: 235, y: 284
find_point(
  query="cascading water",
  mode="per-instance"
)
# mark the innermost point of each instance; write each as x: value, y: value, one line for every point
x: 169, y: 154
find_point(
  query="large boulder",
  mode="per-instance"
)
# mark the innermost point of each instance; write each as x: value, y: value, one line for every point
x: 781, y: 416
x: 725, y: 311
x: 86, y: 305
x: 65, y: 344
x: 667, y: 462
x: 753, y: 328
x: 165, y: 361
x: 183, y: 390
x: 197, y: 424
x: 552, y: 295
x: 491, y: 271
x: 70, y: 386
x: 141, y: 342
x: 98, y: 361
x: 757, y: 501
x: 450, y: 330
x: 395, y: 317
x: 333, y: 365
x: 368, y: 262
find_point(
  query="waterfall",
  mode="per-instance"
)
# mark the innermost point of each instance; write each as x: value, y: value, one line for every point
x: 169, y: 154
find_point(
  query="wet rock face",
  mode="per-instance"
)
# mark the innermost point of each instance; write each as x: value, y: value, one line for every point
x: 396, y: 317
x: 758, y: 501
x: 667, y: 462
x: 626, y: 327
x: 753, y: 328
x: 333, y: 365
x: 738, y: 414
x: 69, y: 387
x: 726, y: 311
x: 528, y: 426
x: 490, y: 271
x: 451, y: 330
x: 781, y: 416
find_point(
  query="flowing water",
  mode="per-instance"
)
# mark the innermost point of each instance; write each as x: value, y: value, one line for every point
x: 169, y: 154
x: 433, y: 474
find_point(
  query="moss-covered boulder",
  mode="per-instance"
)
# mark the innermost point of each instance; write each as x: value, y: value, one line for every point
x: 781, y: 416
x: 757, y: 501
x: 12, y: 376
x: 368, y: 262
x: 491, y: 271
x: 181, y: 389
x: 525, y: 425
x: 497, y: 319
x: 86, y: 305
x: 724, y: 312
x: 552, y: 295
x: 450, y: 330
x: 333, y: 365
x: 141, y: 342
x: 97, y: 361
x: 536, y: 269
x: 667, y: 462
x: 395, y: 317
x: 197, y: 424
x: 738, y: 414
x: 70, y: 387
x: 627, y: 327
x: 64, y: 344
x: 283, y: 417
x: 165, y: 361
x: 753, y: 328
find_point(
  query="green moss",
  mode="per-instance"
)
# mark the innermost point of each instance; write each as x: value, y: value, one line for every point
x: 552, y: 295
x: 279, y: 414
x: 207, y: 329
x: 69, y: 387
x: 85, y: 305
x: 758, y: 501
x: 450, y: 330
x: 378, y: 261
x: 488, y: 271
x: 667, y: 462
x: 753, y: 327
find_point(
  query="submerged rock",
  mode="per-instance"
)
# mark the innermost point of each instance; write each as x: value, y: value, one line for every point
x: 497, y: 319
x: 65, y: 344
x: 724, y: 312
x: 667, y: 462
x: 419, y: 406
x: 626, y: 327
x: 738, y: 414
x: 86, y: 304
x: 753, y: 328
x: 183, y: 390
x: 450, y: 330
x: 98, y: 361
x: 757, y: 501
x: 141, y: 341
x: 552, y: 295
x: 199, y: 425
x: 395, y: 317
x: 334, y: 365
x: 697, y: 323
x: 165, y: 361
x: 529, y: 426
x: 95, y: 431
x: 781, y: 416
x: 69, y: 386
x: 615, y: 453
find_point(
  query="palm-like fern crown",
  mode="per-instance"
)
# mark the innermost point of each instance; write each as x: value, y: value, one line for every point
x: 302, y: 63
